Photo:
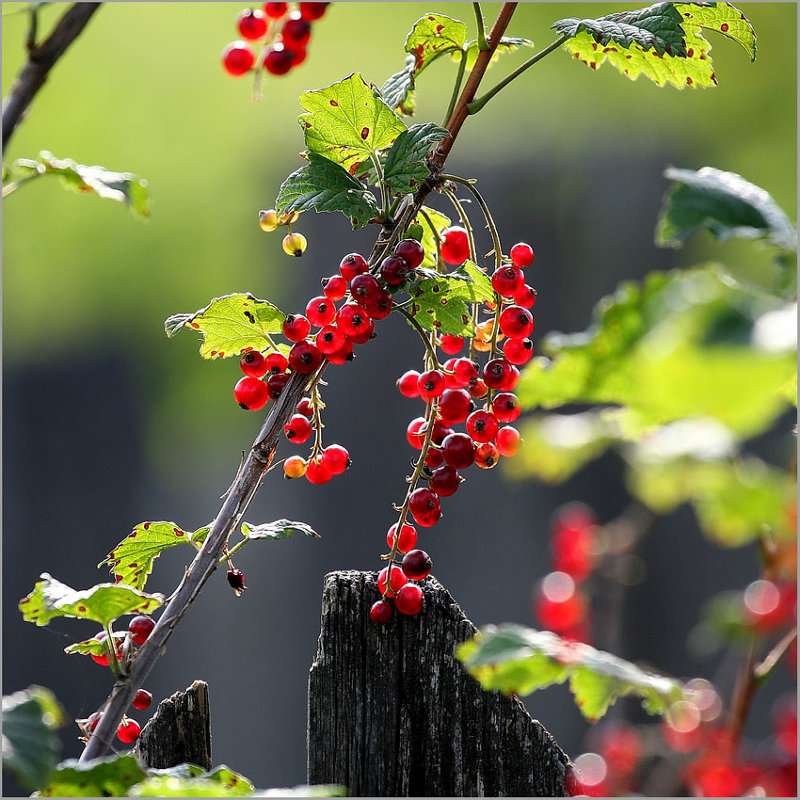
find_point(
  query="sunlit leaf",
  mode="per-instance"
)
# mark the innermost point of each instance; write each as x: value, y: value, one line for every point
x: 280, y: 529
x: 507, y: 44
x: 432, y: 36
x: 177, y: 782
x: 405, y: 167
x: 102, y: 777
x: 94, y: 646
x: 430, y: 220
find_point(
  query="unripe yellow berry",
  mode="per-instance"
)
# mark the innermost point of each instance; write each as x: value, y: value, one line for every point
x: 294, y: 244
x: 268, y: 220
x: 294, y: 467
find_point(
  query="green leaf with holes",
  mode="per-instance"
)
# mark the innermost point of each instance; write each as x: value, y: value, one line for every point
x: 112, y: 776
x: 663, y: 42
x: 432, y: 224
x: 232, y: 325
x: 280, y: 529
x: 512, y: 658
x: 723, y: 203
x: 31, y: 745
x: 325, y: 186
x: 404, y: 168
x: 348, y: 122
x: 101, y: 603
x: 131, y: 561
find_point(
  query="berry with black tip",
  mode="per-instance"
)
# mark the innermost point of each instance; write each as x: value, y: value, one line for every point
x: 251, y: 393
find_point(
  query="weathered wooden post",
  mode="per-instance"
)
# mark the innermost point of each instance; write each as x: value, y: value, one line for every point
x: 391, y: 712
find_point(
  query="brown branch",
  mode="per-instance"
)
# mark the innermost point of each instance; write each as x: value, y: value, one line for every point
x: 252, y: 472
x: 40, y: 61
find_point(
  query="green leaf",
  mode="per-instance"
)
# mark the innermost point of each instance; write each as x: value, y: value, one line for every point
x: 405, y: 167
x: 507, y: 44
x: 101, y: 777
x: 511, y: 658
x: 433, y: 35
x: 132, y: 559
x: 280, y: 529
x: 723, y: 203
x: 348, y: 122
x: 430, y: 221
x: 398, y: 91
x: 662, y: 42
x: 94, y: 646
x: 232, y: 325
x: 674, y: 346
x: 102, y: 603
x: 31, y: 746
x: 124, y: 187
x: 325, y: 186
x: 317, y: 790
x: 180, y: 782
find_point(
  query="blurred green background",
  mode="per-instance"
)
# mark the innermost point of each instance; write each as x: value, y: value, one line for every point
x: 568, y: 159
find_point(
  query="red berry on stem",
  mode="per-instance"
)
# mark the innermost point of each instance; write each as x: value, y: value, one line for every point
x: 253, y: 364
x: 275, y: 10
x: 334, y: 288
x: 478, y: 389
x: 238, y: 58
x: 275, y: 384
x: 558, y: 604
x: 335, y: 459
x: 394, y: 270
x: 352, y: 319
x: 455, y: 246
x: 252, y: 24
x: 465, y: 371
x: 525, y: 296
x: 139, y: 628
x: 417, y: 565
x: 415, y: 432
x: 508, y: 441
x: 128, y: 730
x: 409, y: 599
x: 330, y: 340
x: 380, y: 612
x: 297, y: 429
x: 411, y: 251
x: 458, y: 450
x: 235, y: 578
x: 276, y: 362
x: 318, y: 472
x: 294, y: 467
x: 312, y: 11
x: 500, y: 373
x: 505, y: 407
x: 431, y: 384
x: 305, y: 358
x: 454, y: 405
x: 406, y: 540
x: 451, y: 344
x: 251, y: 393
x: 396, y: 580
x: 305, y: 408
x: 507, y: 281
x: 102, y: 659
x: 425, y: 508
x: 516, y: 322
x: 278, y: 60
x: 364, y: 288
x: 353, y: 264
x: 380, y: 306
x: 320, y: 311
x: 296, y: 31
x: 482, y: 426
x: 521, y: 255
x: 407, y: 383
x: 487, y: 455
x: 142, y: 699
x: 345, y: 353
x: 296, y: 327
x: 518, y: 351
x: 444, y: 480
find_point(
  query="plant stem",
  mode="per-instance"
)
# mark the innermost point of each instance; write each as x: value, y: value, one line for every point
x: 482, y: 43
x: 763, y: 670
x: 423, y: 335
x: 462, y: 63
x: 12, y: 187
x: 476, y: 105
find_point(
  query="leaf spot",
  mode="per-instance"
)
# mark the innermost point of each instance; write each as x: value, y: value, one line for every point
x: 724, y: 27
x: 364, y: 133
x: 334, y: 103
x: 195, y: 325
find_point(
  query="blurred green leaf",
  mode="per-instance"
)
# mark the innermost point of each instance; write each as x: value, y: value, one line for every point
x: 102, y: 777
x: 102, y: 603
x: 348, y: 122
x: 180, y: 782
x: 280, y: 529
x: 232, y: 325
x: 662, y: 42
x: 405, y: 167
x: 31, y: 746
x: 511, y: 658
x: 723, y: 203
x: 325, y: 186
x: 132, y: 559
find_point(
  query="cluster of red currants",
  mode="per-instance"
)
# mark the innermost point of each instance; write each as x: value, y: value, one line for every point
x: 139, y: 629
x: 451, y: 392
x: 559, y: 602
x: 280, y: 30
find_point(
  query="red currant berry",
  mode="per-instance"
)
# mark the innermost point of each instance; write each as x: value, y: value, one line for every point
x: 558, y: 604
x: 364, y: 288
x: 276, y: 363
x: 505, y: 407
x: 275, y: 384
x: 317, y: 472
x: 142, y: 699
x: 102, y: 659
x: 381, y: 306
x: 482, y: 426
x: 396, y: 580
x: 345, y: 353
x: 238, y: 58
x: 305, y: 358
x: 487, y: 455
x: 521, y: 255
x: 411, y: 251
x: 499, y: 373
x: 451, y: 344
x: 409, y: 600
x: 455, y: 246
x: 330, y: 340
x: 525, y: 296
x: 450, y: 380
x: 251, y: 393
x: 296, y: 31
x: 275, y: 10
x: 353, y: 264
x: 424, y: 506
x: 235, y: 578
x: 352, y: 319
x: 334, y: 288
x: 445, y: 481
x: 336, y: 459
x: 128, y: 730
x: 320, y: 311
x: 465, y: 371
x: 516, y: 322
x: 434, y: 458
x: 90, y: 723
x: 296, y: 327
x: 458, y: 450
x: 312, y: 11
x: 253, y: 364
x: 417, y: 565
x: 478, y: 389
x: 297, y: 429
x: 367, y: 332
x: 406, y: 540
x: 507, y: 281
x: 252, y: 24
x: 415, y: 432
x: 407, y: 383
x: 430, y: 384
x: 454, y: 405
x: 139, y: 628
x: 294, y: 467
x: 394, y: 270
x: 508, y: 441
x: 380, y: 612
x: 518, y: 351
x: 304, y: 407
